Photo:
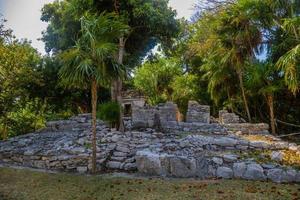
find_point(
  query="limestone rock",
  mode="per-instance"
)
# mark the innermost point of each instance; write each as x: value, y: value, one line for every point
x: 224, y: 172
x: 218, y: 161
x: 225, y: 141
x: 182, y: 167
x: 239, y: 169
x: 123, y: 149
x: 114, y: 165
x: 277, y: 155
x: 148, y: 163
x: 230, y: 157
x: 254, y: 172
x: 130, y: 166
x: 82, y: 169
x: 202, y: 168
x: 275, y: 175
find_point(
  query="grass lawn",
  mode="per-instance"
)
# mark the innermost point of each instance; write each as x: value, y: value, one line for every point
x: 22, y: 184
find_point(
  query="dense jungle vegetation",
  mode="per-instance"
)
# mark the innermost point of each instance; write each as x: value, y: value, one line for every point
x: 240, y: 55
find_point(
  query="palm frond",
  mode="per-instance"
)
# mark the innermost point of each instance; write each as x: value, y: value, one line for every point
x: 289, y: 64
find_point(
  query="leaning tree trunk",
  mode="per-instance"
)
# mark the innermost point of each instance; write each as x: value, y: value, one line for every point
x: 240, y: 75
x: 94, y: 120
x: 270, y: 101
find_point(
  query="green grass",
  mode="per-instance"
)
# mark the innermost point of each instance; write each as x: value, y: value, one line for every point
x: 24, y: 184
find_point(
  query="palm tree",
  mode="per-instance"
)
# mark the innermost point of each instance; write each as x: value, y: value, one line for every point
x: 289, y: 62
x: 241, y: 37
x: 91, y: 61
x: 221, y: 80
x: 264, y: 79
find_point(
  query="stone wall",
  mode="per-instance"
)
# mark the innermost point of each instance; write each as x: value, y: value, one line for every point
x: 197, y: 113
x: 143, y: 116
x: 225, y: 166
x: 248, y: 128
x: 66, y: 146
x: 153, y: 116
x: 228, y: 118
x: 166, y: 116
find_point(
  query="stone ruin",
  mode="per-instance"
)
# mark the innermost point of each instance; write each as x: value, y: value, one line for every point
x: 166, y: 115
x: 198, y: 119
x: 195, y: 148
x: 197, y: 113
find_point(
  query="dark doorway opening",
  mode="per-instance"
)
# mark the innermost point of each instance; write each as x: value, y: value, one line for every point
x: 127, y: 110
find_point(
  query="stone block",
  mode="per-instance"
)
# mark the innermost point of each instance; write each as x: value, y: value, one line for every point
x: 182, y: 167
x: 217, y: 161
x: 82, y: 169
x: 225, y: 141
x: 197, y: 113
x: 239, y: 169
x: 113, y: 165
x: 230, y: 157
x: 224, y: 172
x: 254, y: 172
x: 148, y: 163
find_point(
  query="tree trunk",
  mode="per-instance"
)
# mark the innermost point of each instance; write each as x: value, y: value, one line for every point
x: 119, y: 83
x: 230, y: 100
x: 270, y: 101
x: 113, y: 91
x: 240, y: 75
x: 94, y: 120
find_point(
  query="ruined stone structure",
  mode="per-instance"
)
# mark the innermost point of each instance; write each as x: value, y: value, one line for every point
x: 197, y: 113
x: 229, y: 118
x: 129, y: 99
x: 186, y: 149
x: 166, y: 115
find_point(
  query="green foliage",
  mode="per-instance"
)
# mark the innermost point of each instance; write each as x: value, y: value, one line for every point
x: 109, y: 112
x: 150, y: 22
x: 18, y: 78
x: 263, y: 79
x: 184, y: 89
x: 154, y: 79
x: 92, y: 57
x: 23, y: 118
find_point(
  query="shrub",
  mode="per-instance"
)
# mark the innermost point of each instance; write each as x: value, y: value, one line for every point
x: 25, y: 118
x: 109, y: 112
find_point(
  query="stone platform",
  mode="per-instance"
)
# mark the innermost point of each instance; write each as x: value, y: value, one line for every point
x: 66, y: 146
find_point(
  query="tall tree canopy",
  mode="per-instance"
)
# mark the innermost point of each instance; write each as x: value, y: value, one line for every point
x: 150, y: 22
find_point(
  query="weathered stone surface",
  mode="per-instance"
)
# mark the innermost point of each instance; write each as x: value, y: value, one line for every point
x: 168, y: 153
x: 82, y: 169
x: 275, y: 175
x: 182, y: 167
x: 248, y: 128
x: 148, y: 163
x: 123, y: 149
x: 254, y: 172
x: 239, y: 169
x: 202, y: 168
x: 130, y: 166
x: 114, y: 164
x: 289, y: 175
x: 259, y: 144
x: 218, y: 161
x: 277, y: 155
x: 225, y: 141
x: 224, y: 172
x: 228, y: 118
x: 197, y: 113
x: 230, y: 157
x: 120, y: 154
